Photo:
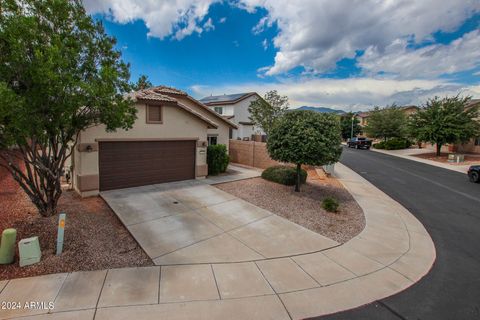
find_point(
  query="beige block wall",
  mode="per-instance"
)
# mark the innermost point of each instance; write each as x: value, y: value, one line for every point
x: 177, y: 124
x: 469, y: 147
x: 251, y: 153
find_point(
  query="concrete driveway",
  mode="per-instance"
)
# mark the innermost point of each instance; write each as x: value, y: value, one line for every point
x: 193, y: 222
x: 392, y: 253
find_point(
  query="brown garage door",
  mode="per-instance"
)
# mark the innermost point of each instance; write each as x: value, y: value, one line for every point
x: 136, y: 163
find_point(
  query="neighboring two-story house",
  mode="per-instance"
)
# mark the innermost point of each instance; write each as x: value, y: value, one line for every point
x: 363, y: 116
x: 234, y: 107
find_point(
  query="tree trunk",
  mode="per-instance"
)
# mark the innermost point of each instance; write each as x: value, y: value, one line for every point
x: 49, y: 207
x: 44, y: 191
x: 439, y: 148
x: 297, y: 184
x: 38, y: 169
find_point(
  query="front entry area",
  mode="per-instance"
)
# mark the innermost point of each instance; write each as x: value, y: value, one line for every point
x: 125, y: 164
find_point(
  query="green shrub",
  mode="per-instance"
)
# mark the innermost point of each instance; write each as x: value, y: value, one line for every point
x: 330, y: 204
x: 284, y: 175
x: 393, y: 144
x: 380, y: 145
x: 397, y: 143
x: 217, y: 159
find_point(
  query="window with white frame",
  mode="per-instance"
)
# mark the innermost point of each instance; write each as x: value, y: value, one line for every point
x: 212, y: 140
x: 218, y: 110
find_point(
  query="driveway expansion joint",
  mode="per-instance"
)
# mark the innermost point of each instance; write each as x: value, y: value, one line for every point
x: 377, y: 271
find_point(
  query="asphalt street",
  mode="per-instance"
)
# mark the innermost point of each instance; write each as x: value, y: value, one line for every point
x: 448, y: 205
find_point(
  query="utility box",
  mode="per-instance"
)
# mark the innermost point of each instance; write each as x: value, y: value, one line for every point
x: 329, y: 168
x: 7, y: 246
x: 456, y: 158
x: 29, y: 250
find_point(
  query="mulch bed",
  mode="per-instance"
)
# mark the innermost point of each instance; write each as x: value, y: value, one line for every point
x: 305, y: 207
x: 469, y: 159
x: 94, y: 236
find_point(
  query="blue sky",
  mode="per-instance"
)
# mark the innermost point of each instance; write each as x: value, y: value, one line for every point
x: 230, y: 52
x: 344, y: 55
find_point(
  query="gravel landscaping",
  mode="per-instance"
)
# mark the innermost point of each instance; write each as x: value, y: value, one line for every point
x: 94, y: 236
x: 469, y: 159
x: 305, y: 207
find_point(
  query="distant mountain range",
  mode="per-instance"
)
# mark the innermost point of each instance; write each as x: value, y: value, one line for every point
x: 321, y: 109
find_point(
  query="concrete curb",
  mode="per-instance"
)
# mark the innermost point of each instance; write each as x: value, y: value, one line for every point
x: 458, y: 168
x: 392, y: 253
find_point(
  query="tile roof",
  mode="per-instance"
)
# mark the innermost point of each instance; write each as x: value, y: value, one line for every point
x: 363, y: 114
x: 168, y: 90
x: 472, y: 102
x: 159, y: 93
x: 150, y: 95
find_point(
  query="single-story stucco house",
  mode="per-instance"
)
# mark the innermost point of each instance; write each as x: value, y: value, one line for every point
x: 167, y: 143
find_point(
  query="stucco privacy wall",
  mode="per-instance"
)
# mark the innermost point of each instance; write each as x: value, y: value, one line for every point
x: 250, y: 153
x: 177, y: 124
x: 468, y: 147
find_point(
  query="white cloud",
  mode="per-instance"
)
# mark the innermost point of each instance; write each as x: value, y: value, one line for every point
x: 426, y: 62
x: 316, y: 34
x: 265, y: 44
x: 348, y: 94
x: 261, y: 25
x: 179, y: 18
x: 223, y: 20
x: 208, y: 25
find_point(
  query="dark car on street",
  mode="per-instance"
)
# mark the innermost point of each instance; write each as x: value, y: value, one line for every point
x: 359, y: 143
x: 474, y: 174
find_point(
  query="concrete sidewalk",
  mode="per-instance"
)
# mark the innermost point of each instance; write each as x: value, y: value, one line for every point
x: 408, y: 154
x: 389, y: 255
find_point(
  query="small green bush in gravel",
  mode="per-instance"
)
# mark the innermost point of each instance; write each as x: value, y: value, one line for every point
x: 393, y: 144
x: 397, y: 144
x: 284, y: 175
x: 330, y: 204
x: 217, y: 159
x: 380, y: 145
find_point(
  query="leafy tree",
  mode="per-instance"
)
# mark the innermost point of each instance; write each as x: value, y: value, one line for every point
x: 347, y: 124
x: 443, y: 121
x: 264, y: 112
x: 142, y: 83
x: 389, y: 122
x: 305, y: 137
x: 59, y: 74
